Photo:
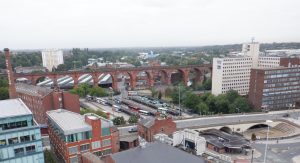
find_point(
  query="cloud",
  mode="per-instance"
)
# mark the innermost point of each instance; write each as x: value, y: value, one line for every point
x: 115, y: 23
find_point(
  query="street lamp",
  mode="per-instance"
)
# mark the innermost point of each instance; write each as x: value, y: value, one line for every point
x: 268, y: 122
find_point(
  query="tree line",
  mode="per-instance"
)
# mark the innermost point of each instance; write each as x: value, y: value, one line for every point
x: 207, y: 103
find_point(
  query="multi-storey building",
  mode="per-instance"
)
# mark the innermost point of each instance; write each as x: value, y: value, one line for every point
x: 72, y: 134
x: 233, y: 73
x: 40, y: 100
x: 274, y: 88
x: 20, y: 136
x: 148, y: 127
x: 52, y: 58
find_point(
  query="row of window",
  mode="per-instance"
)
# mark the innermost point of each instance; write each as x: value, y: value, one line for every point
x: 283, y: 71
x: 13, y: 125
x: 16, y: 140
x: 279, y: 89
x: 24, y: 150
x: 86, y: 147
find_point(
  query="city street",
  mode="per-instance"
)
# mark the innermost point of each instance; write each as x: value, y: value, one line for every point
x: 278, y: 153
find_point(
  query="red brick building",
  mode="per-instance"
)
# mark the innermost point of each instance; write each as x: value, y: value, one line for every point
x: 72, y: 134
x: 40, y: 100
x: 148, y: 127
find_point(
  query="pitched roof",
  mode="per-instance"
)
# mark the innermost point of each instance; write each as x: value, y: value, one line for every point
x: 13, y: 108
x: 155, y: 152
x: 147, y: 122
x: 32, y: 90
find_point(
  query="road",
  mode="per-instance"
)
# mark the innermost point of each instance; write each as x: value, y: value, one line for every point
x: 230, y: 119
x: 278, y: 153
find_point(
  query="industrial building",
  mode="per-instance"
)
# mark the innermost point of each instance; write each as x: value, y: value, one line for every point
x: 40, y: 100
x: 72, y: 134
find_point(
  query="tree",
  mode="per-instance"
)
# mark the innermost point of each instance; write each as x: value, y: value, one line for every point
x: 98, y: 112
x: 3, y: 89
x: 159, y: 95
x: 232, y: 95
x: 49, y: 156
x: 4, y: 93
x: 253, y: 137
x: 119, y: 121
x: 133, y: 119
x: 191, y: 100
x: 207, y: 84
x: 222, y: 104
x: 82, y: 90
x: 61, y: 67
x: 97, y: 91
x: 202, y: 108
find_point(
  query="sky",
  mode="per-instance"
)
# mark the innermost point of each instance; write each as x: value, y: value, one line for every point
x: 35, y: 24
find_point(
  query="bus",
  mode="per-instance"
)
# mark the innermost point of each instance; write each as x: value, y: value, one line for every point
x: 101, y: 101
x: 133, y: 107
x: 162, y: 110
x: 144, y: 112
x: 132, y: 93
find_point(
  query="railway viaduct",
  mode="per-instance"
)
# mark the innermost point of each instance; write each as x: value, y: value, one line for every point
x: 132, y: 72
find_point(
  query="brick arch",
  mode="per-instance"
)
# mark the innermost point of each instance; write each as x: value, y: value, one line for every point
x: 165, y: 76
x: 185, y: 75
x: 200, y: 72
x: 149, y: 77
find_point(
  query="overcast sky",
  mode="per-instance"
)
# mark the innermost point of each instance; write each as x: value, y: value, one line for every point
x: 26, y: 24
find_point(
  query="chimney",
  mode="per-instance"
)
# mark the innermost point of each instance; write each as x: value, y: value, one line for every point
x: 10, y: 77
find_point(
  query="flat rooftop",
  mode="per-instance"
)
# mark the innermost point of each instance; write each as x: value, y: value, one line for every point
x: 155, y: 152
x: 70, y: 122
x: 13, y: 108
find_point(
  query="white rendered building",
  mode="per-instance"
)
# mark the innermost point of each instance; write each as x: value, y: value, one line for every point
x: 233, y: 73
x: 52, y: 58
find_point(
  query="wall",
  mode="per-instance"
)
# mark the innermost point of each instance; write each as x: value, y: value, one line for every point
x: 71, y: 102
x: 256, y: 88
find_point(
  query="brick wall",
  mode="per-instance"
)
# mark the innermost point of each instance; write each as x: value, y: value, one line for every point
x: 71, y: 102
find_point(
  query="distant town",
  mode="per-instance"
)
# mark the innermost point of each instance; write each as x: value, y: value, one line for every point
x: 229, y: 103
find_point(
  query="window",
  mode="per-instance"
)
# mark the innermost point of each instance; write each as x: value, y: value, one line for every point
x: 84, y: 147
x: 30, y: 149
x: 2, y: 142
x: 19, y: 151
x: 106, y: 152
x: 96, y: 144
x: 98, y: 153
x: 33, y: 137
x: 106, y: 142
x: 73, y: 150
x: 74, y: 159
x: 25, y: 138
x: 13, y: 140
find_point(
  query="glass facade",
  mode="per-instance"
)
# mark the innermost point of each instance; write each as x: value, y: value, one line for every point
x: 20, y: 140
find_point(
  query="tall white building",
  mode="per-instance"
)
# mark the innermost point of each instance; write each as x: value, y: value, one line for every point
x: 233, y: 73
x: 52, y: 58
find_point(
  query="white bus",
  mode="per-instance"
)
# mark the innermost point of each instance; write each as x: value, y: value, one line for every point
x: 162, y: 110
x: 144, y: 112
x: 101, y: 101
